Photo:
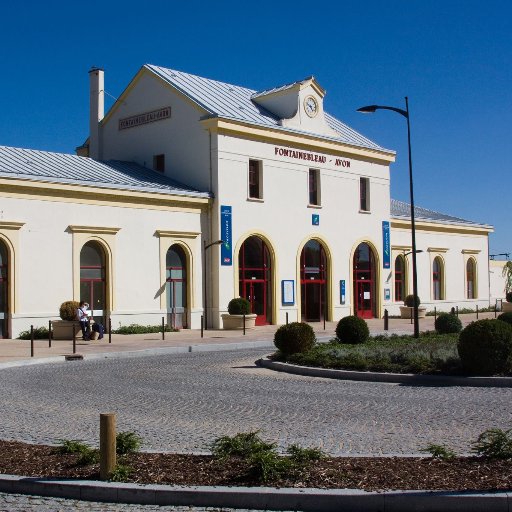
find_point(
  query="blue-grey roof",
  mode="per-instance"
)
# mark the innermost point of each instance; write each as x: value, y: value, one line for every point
x: 279, y: 88
x: 31, y: 164
x: 402, y: 210
x: 229, y: 101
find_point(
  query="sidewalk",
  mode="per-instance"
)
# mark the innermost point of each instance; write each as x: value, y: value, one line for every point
x: 19, y: 350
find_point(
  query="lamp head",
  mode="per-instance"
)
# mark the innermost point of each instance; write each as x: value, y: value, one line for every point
x: 370, y: 109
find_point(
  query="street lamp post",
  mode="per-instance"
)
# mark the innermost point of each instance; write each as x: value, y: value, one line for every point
x: 369, y: 110
x: 205, y: 248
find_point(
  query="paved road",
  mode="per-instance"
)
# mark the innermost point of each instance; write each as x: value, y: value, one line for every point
x: 182, y: 402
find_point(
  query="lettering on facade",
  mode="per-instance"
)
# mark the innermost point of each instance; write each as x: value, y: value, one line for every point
x: 309, y: 157
x: 145, y: 118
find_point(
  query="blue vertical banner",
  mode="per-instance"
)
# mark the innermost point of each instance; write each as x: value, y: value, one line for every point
x: 342, y: 291
x: 226, y: 252
x: 386, y: 245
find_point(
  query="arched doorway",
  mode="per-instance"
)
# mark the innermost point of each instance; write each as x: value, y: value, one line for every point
x: 364, y: 282
x: 176, y: 286
x: 4, y: 291
x: 255, y: 278
x: 92, y: 279
x: 313, y: 282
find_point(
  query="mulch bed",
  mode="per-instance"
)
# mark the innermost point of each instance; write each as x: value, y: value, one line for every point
x: 366, y: 473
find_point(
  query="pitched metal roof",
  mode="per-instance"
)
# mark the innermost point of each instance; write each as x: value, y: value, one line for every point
x: 402, y: 210
x: 31, y: 164
x: 279, y: 88
x: 229, y: 101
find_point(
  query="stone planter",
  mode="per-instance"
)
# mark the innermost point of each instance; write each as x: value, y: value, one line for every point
x: 407, y: 312
x: 232, y: 322
x: 506, y: 307
x: 63, y: 329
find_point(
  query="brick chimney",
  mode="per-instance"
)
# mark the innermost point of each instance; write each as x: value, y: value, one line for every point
x: 96, y: 110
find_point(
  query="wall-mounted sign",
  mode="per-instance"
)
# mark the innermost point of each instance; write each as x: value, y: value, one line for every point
x: 342, y: 291
x: 310, y: 157
x: 387, y: 294
x: 386, y: 245
x: 226, y: 253
x: 315, y: 219
x: 288, y: 292
x: 145, y: 118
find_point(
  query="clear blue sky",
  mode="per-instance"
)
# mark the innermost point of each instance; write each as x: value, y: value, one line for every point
x: 453, y: 59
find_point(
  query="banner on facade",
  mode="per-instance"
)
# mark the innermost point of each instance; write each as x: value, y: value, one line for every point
x: 226, y: 253
x: 386, y: 242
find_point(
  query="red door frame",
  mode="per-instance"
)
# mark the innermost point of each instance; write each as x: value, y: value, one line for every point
x: 250, y: 275
x: 321, y: 271
x: 364, y: 282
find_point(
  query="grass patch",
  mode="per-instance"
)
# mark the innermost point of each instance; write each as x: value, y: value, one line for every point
x: 432, y: 353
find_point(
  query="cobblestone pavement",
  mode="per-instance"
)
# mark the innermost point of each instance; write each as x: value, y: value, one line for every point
x: 183, y: 402
x: 21, y: 503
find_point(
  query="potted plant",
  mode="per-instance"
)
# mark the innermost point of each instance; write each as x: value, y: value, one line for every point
x: 63, y: 329
x: 237, y: 309
x: 407, y: 310
x: 507, y: 274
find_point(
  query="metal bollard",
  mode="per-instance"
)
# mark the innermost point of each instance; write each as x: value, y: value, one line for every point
x: 163, y: 328
x: 287, y: 318
x: 477, y: 311
x: 457, y: 311
x: 386, y: 320
x: 496, y: 308
x: 74, y: 339
x: 109, y: 330
x: 202, y: 326
x: 324, y: 321
x: 107, y: 445
x: 49, y: 334
x: 31, y: 341
x: 244, y: 324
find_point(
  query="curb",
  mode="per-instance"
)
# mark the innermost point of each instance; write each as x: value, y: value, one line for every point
x: 260, y: 498
x: 397, y: 378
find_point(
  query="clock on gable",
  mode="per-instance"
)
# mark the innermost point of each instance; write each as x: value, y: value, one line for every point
x: 311, y: 106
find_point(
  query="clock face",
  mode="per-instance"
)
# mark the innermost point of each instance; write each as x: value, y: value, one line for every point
x: 311, y: 106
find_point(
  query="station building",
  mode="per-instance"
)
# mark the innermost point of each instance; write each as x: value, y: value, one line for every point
x: 300, y: 201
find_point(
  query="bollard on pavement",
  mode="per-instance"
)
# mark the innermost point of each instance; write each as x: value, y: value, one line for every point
x: 163, y: 328
x: 107, y: 445
x: 202, y: 326
x: 74, y: 339
x: 386, y: 320
x: 49, y: 334
x: 287, y: 318
x: 109, y: 330
x: 31, y: 341
x: 244, y: 324
x: 477, y: 311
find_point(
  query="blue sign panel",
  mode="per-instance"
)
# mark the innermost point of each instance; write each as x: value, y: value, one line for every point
x: 226, y: 253
x: 387, y: 294
x: 342, y: 291
x: 386, y: 243
x: 316, y: 219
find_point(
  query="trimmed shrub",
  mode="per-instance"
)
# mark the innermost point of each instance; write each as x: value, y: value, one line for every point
x: 447, y: 323
x: 40, y: 333
x: 506, y: 317
x: 485, y: 347
x: 239, y: 306
x: 296, y: 337
x: 352, y: 329
x: 409, y: 301
x: 67, y: 310
x: 508, y: 296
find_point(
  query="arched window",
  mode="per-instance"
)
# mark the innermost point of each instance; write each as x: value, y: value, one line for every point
x: 313, y: 281
x: 364, y: 282
x: 4, y: 289
x: 176, y: 285
x: 254, y: 266
x: 438, y: 279
x: 92, y: 277
x: 399, y: 279
x: 471, y: 279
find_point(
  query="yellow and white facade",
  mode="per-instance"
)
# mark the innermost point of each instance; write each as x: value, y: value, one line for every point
x: 300, y: 200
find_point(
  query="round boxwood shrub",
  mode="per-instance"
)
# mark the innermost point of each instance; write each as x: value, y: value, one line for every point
x: 294, y: 337
x: 447, y: 323
x: 352, y: 329
x: 485, y: 347
x: 506, y: 317
x: 239, y: 306
x: 409, y: 301
x: 67, y: 310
